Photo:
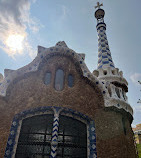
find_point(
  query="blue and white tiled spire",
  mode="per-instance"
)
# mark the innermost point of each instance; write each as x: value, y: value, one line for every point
x: 104, y: 54
x: 106, y: 72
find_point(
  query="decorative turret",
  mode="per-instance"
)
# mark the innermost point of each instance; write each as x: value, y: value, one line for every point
x: 106, y: 71
x: 104, y: 54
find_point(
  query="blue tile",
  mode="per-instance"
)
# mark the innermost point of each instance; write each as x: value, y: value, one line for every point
x: 104, y: 56
x: 111, y: 65
x: 99, y: 66
x: 99, y: 61
x: 110, y: 60
x: 99, y: 55
x: 105, y: 62
x: 103, y: 45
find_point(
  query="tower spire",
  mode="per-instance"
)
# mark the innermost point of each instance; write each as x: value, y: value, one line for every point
x: 104, y: 54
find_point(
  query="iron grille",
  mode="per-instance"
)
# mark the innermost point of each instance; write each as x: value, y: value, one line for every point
x: 35, y: 137
x: 72, y: 138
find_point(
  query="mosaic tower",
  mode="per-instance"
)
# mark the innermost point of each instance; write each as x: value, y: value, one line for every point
x: 106, y: 70
x: 104, y: 54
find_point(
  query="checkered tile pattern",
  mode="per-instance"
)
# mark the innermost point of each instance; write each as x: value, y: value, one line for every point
x: 104, y: 54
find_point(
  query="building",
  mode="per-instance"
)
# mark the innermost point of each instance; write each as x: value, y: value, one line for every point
x: 137, y: 133
x: 55, y: 107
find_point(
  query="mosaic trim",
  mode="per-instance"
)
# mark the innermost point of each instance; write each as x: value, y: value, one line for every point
x: 9, y: 152
x: 104, y: 54
x: 60, y: 48
x: 54, y: 141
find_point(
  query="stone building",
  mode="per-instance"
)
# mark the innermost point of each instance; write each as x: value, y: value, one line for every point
x: 55, y: 107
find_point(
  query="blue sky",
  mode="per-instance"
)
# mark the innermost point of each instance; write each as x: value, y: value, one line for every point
x: 45, y: 22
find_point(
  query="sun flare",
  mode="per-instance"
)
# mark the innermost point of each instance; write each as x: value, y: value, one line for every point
x: 15, y: 42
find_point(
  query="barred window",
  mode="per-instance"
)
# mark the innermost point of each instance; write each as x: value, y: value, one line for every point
x: 35, y: 137
x: 36, y: 132
x: 72, y: 138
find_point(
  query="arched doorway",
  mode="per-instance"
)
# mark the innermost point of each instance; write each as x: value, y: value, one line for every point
x: 51, y: 131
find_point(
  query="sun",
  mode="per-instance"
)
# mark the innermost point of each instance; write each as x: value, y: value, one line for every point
x: 15, y: 42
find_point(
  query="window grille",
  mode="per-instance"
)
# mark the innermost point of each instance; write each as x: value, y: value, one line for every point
x: 36, y: 132
x: 35, y: 137
x: 72, y: 138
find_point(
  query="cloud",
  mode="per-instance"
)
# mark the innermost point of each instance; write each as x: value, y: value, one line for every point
x: 135, y: 78
x: 65, y: 12
x: 15, y: 18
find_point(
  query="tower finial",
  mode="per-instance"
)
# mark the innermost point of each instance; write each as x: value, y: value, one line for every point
x: 98, y: 5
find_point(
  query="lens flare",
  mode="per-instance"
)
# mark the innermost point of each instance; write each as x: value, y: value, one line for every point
x: 15, y: 42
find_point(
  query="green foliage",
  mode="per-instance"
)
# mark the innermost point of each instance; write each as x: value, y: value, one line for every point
x: 139, y: 149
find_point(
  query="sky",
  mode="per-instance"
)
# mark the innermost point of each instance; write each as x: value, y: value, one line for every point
x: 25, y: 24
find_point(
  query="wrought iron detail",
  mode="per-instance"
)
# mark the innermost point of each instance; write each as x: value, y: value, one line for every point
x: 35, y: 137
x: 44, y: 112
x: 72, y: 138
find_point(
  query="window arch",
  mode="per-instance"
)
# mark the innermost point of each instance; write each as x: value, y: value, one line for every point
x: 33, y: 121
x: 59, y: 80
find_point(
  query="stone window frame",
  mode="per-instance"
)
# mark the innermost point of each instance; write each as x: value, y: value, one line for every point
x: 17, y: 121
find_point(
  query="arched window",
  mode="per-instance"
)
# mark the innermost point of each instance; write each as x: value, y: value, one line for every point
x: 70, y: 80
x: 59, y: 80
x: 47, y: 78
x: 35, y: 137
x: 72, y: 138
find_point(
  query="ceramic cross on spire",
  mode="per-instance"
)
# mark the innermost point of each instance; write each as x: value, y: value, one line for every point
x: 98, y: 5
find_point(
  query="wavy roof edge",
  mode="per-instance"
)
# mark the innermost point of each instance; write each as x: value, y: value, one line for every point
x: 59, y: 48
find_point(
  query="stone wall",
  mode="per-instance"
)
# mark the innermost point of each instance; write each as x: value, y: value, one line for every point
x: 29, y: 91
x: 112, y: 142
